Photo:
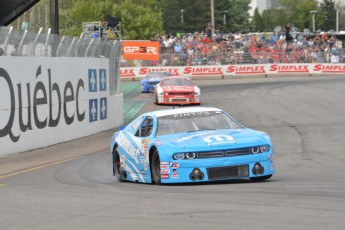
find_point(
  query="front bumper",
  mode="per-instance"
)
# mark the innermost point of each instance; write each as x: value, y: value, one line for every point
x: 215, y: 169
x: 148, y: 88
x: 180, y: 100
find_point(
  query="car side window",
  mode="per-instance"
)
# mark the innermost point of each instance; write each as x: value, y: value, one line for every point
x: 136, y: 124
x: 145, y: 128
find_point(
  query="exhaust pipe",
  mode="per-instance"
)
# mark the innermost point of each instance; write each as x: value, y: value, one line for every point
x: 196, y: 174
x: 258, y: 169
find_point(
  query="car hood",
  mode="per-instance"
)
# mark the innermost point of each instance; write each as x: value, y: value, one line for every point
x: 216, y: 138
x: 178, y: 88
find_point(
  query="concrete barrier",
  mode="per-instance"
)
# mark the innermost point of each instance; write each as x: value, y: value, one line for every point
x: 45, y: 101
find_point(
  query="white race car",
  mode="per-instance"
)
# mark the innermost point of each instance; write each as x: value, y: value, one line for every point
x: 176, y: 90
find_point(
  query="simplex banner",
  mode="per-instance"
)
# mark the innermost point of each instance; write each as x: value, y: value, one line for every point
x: 232, y: 70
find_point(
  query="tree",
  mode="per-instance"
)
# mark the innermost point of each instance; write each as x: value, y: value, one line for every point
x: 222, y: 7
x: 329, y: 11
x: 273, y: 18
x: 238, y: 15
x: 140, y: 19
x: 298, y: 12
x: 340, y: 7
x: 257, y: 21
x: 195, y: 15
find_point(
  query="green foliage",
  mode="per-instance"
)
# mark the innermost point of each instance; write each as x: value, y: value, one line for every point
x: 139, y: 19
x: 239, y: 16
x: 142, y: 19
x: 257, y: 21
x: 298, y: 12
x: 273, y: 18
x: 197, y: 13
x: 330, y: 15
x: 222, y: 7
x: 185, y: 16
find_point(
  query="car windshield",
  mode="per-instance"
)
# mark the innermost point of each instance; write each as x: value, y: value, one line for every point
x: 158, y: 74
x: 195, y: 121
x: 177, y: 82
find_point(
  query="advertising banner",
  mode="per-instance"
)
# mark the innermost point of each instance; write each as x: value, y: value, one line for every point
x: 238, y: 70
x: 140, y: 50
x: 45, y: 101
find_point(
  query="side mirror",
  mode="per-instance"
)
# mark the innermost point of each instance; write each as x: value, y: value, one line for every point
x: 122, y: 127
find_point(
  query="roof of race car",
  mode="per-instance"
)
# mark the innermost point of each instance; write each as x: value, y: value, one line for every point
x: 159, y: 113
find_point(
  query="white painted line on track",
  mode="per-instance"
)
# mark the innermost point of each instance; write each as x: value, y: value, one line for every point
x: 37, y: 167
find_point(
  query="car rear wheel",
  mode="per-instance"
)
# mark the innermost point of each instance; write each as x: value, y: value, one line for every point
x: 155, y: 168
x: 260, y: 178
x: 117, y: 171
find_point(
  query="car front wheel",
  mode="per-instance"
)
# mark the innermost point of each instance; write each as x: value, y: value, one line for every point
x: 155, y: 168
x: 120, y: 175
x: 155, y: 99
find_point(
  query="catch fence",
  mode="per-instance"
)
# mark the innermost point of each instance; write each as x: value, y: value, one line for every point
x: 15, y: 42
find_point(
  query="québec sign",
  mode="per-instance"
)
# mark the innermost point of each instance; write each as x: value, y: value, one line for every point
x: 45, y: 102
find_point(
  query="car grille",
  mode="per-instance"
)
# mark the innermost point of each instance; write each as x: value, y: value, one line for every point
x: 225, y: 153
x: 178, y: 100
x: 180, y: 93
x: 227, y: 172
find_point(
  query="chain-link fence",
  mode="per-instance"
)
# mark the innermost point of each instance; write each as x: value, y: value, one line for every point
x: 15, y: 42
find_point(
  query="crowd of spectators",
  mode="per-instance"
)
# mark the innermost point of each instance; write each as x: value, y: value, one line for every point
x: 205, y: 49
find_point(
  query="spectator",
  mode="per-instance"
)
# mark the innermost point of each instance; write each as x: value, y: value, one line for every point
x: 172, y: 39
x: 324, y: 36
x: 294, y: 30
x: 209, y: 30
x: 238, y: 41
x: 177, y: 48
x: 334, y: 58
x: 199, y: 49
x: 166, y: 42
x: 310, y: 42
x: 288, y: 37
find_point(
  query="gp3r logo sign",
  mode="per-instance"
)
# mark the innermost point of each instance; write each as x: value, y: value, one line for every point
x: 140, y: 50
x: 98, y: 107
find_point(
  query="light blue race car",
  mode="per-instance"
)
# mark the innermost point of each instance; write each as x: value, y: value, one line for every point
x: 151, y: 79
x: 190, y: 144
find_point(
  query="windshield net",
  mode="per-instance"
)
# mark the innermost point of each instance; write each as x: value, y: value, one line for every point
x: 190, y: 122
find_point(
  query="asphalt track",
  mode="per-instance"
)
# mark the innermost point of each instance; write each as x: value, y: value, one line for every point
x: 70, y: 185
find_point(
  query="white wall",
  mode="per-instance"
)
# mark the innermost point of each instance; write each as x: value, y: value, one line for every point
x: 44, y: 101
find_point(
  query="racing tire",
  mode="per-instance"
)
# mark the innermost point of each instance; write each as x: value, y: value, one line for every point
x: 260, y: 178
x: 117, y: 171
x: 155, y: 168
x: 155, y: 99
